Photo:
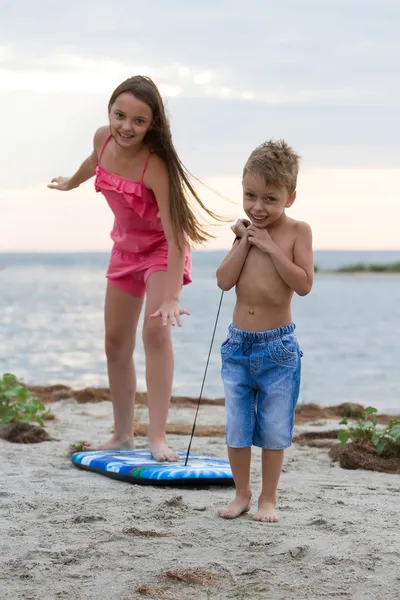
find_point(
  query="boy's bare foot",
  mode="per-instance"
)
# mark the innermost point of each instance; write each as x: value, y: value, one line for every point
x: 266, y: 512
x: 115, y: 443
x: 239, y: 506
x: 161, y: 452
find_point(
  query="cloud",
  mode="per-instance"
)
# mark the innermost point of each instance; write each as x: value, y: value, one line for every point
x: 50, y: 134
x: 317, y: 52
x: 323, y: 75
x: 74, y: 73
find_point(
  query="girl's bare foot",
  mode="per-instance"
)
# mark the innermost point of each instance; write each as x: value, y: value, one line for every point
x: 161, y: 452
x: 239, y: 506
x: 266, y: 512
x: 116, y: 443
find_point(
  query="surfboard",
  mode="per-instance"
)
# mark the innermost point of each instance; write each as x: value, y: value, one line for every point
x: 138, y: 466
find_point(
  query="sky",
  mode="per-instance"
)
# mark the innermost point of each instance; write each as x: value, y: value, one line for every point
x: 322, y: 75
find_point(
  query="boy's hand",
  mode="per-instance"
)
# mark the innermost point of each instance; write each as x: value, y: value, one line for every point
x: 240, y: 227
x: 260, y: 238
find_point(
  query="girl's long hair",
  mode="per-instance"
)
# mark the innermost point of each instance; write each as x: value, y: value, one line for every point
x: 159, y: 140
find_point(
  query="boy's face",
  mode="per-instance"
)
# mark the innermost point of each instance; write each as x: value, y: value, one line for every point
x: 264, y: 203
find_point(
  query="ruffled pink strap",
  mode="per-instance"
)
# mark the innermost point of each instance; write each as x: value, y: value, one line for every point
x: 103, y: 146
x: 145, y: 166
x: 139, y: 198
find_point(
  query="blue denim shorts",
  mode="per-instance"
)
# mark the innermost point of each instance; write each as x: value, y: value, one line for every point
x: 261, y: 377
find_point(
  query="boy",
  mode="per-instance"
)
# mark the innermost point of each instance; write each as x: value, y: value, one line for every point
x: 271, y: 258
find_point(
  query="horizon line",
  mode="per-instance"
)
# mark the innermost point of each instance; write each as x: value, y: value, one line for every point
x: 94, y: 251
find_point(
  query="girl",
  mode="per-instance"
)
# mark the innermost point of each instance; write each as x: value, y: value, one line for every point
x: 139, y: 173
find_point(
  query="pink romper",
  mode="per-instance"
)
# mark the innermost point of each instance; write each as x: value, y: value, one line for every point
x: 140, y: 246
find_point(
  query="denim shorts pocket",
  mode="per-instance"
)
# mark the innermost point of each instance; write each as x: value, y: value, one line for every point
x: 228, y: 347
x: 285, y: 350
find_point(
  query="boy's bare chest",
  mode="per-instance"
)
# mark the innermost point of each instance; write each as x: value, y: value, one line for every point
x: 259, y: 273
x: 261, y: 262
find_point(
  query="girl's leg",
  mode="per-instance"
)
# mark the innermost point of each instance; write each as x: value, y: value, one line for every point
x: 121, y: 315
x: 239, y: 459
x: 272, y: 461
x: 159, y: 368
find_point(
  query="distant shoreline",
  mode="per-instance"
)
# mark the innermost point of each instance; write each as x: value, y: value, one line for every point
x: 305, y: 411
x: 326, y: 274
x: 327, y: 262
x: 196, y: 250
x: 367, y: 268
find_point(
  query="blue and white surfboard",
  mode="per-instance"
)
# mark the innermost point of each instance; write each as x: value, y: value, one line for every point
x: 138, y: 466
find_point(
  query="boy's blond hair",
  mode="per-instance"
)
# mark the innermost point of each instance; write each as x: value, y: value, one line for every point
x: 276, y: 162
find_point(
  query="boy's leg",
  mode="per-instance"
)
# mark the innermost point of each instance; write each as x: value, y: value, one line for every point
x: 240, y: 419
x: 279, y: 382
x: 239, y: 459
x: 272, y: 461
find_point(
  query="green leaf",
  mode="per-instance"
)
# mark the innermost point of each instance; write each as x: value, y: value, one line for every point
x: 10, y: 395
x: 9, y: 379
x: 344, y: 435
x: 368, y: 425
x: 344, y: 421
x: 395, y: 433
x: 17, y: 403
x: 8, y: 419
x: 370, y: 410
x: 39, y: 405
x: 380, y: 448
x: 376, y: 436
x: 23, y: 393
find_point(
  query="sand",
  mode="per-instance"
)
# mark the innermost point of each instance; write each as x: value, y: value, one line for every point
x: 71, y: 534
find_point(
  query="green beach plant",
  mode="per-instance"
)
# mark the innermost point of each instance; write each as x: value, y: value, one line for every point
x: 370, y: 268
x: 76, y: 447
x: 386, y: 440
x: 17, y: 404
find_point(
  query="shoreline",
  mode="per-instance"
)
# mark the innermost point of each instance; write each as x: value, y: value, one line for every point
x: 304, y: 412
x: 324, y: 274
x: 347, y: 274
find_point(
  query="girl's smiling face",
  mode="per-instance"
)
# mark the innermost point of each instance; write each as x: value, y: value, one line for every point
x: 130, y: 120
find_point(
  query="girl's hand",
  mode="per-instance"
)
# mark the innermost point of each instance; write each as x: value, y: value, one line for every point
x: 170, y: 312
x: 60, y: 183
x: 240, y: 227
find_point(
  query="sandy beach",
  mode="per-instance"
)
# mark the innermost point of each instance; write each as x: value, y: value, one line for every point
x: 71, y: 534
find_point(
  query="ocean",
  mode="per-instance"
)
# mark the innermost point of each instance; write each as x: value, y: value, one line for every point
x: 51, y: 327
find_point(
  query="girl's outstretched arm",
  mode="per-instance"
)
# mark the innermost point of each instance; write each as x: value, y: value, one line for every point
x: 87, y: 168
x: 156, y: 178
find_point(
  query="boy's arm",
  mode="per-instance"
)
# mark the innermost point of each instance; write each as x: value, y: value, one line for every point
x: 297, y: 274
x: 229, y: 270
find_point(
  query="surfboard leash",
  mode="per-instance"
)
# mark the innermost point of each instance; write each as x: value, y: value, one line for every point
x: 204, y: 378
